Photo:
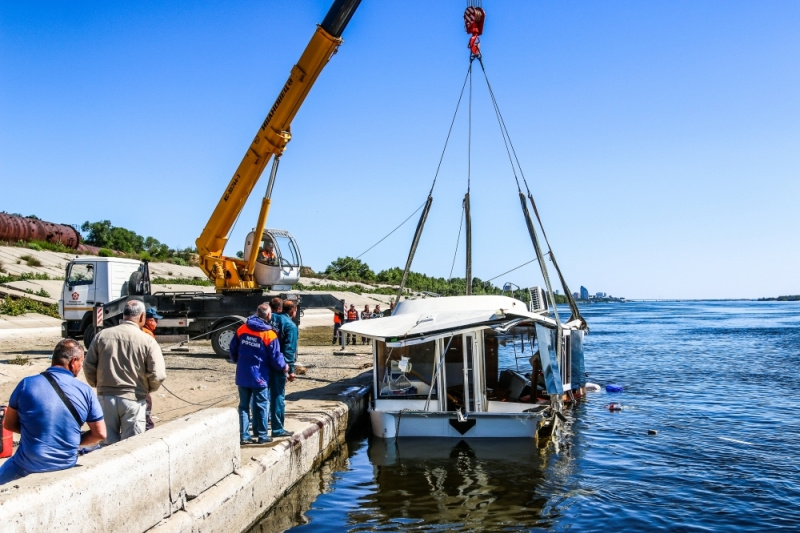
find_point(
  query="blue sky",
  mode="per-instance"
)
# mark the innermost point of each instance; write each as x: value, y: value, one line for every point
x: 661, y: 140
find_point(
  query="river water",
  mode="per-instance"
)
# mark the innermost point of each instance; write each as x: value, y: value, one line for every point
x: 716, y: 380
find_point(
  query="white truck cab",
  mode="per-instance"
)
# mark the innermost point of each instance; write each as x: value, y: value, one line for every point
x: 90, y: 280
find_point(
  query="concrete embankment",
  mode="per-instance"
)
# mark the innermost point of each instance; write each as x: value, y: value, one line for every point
x: 186, y: 475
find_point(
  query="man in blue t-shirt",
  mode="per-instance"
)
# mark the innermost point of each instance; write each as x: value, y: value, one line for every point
x: 50, y: 433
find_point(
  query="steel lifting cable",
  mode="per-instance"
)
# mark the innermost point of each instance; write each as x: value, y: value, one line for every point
x: 503, y: 130
x: 469, y: 127
x: 450, y: 130
x: 326, y: 276
x: 528, y: 219
x: 424, y: 216
x: 458, y: 239
x: 512, y: 159
x: 467, y: 210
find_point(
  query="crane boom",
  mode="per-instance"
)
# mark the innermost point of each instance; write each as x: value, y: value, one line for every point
x: 230, y: 273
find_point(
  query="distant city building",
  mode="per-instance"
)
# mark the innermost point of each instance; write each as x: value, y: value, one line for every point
x: 576, y: 295
x: 600, y: 295
x: 584, y: 293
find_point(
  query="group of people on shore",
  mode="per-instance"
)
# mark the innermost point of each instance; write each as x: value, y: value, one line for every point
x: 265, y: 351
x: 351, y: 315
x: 124, y: 365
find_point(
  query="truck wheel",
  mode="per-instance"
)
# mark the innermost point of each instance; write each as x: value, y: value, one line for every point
x: 88, y: 335
x: 135, y: 283
x: 221, y: 340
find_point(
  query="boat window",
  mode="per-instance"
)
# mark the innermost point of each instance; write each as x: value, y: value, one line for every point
x: 406, y: 372
x: 549, y: 359
x: 578, y: 376
x: 512, y: 358
x: 565, y: 361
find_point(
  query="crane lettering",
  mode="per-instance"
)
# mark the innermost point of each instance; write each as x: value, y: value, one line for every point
x: 277, y: 102
x: 231, y: 187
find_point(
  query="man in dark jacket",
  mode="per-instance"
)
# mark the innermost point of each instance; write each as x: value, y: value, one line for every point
x: 256, y: 351
x: 282, y: 322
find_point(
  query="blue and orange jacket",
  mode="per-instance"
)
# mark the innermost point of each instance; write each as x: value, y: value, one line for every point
x: 256, y: 351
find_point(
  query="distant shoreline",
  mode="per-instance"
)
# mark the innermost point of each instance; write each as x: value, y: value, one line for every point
x: 795, y: 298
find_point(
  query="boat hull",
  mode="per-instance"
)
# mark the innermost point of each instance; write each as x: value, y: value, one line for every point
x: 439, y: 424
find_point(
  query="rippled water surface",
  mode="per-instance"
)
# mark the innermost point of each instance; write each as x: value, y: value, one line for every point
x: 718, y: 381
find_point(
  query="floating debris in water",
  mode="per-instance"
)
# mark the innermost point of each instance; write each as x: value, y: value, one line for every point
x: 735, y: 440
x: 652, y: 432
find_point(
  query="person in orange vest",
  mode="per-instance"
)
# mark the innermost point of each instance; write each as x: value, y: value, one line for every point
x: 351, y: 316
x: 268, y: 254
x: 150, y: 324
x: 337, y: 323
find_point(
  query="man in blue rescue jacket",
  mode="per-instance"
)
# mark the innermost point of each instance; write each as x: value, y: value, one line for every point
x: 256, y: 351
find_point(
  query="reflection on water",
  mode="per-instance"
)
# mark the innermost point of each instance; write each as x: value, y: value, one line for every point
x: 290, y: 510
x: 426, y: 485
x: 452, y: 485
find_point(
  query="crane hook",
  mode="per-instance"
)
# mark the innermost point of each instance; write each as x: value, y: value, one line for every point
x: 473, y: 23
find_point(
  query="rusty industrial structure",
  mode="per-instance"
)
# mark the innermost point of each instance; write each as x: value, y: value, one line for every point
x: 17, y: 228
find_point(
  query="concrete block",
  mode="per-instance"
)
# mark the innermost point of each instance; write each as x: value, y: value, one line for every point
x: 132, y: 485
x: 237, y: 502
x: 119, y: 488
x: 203, y: 449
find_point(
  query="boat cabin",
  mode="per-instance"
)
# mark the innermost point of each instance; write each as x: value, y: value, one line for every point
x: 477, y: 366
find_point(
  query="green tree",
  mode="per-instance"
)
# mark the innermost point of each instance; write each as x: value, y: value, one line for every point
x: 104, y: 235
x: 156, y: 249
x: 350, y: 268
x: 391, y: 276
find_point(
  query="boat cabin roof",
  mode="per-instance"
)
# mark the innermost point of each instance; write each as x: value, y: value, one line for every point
x: 432, y: 316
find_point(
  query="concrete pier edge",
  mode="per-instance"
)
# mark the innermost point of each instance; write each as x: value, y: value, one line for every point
x: 184, y: 476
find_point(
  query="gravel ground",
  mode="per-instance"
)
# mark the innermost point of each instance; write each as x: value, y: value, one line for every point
x: 196, y: 377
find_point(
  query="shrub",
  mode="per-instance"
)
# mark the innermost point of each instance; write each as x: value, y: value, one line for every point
x: 18, y: 360
x: 52, y: 246
x: 23, y: 277
x: 105, y: 252
x: 30, y: 260
x: 11, y: 307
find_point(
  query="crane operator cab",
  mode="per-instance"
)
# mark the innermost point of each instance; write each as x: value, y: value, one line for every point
x: 278, y: 262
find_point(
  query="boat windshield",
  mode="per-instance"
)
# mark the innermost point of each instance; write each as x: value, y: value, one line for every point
x: 406, y: 372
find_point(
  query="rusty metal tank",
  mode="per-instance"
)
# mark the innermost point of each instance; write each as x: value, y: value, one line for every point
x: 17, y: 228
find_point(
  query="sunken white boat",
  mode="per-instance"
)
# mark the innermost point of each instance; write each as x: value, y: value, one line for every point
x: 437, y: 369
x: 477, y: 365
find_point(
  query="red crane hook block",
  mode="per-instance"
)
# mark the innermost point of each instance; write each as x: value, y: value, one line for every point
x: 473, y: 22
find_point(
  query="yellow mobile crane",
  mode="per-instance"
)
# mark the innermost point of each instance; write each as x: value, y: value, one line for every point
x: 271, y: 259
